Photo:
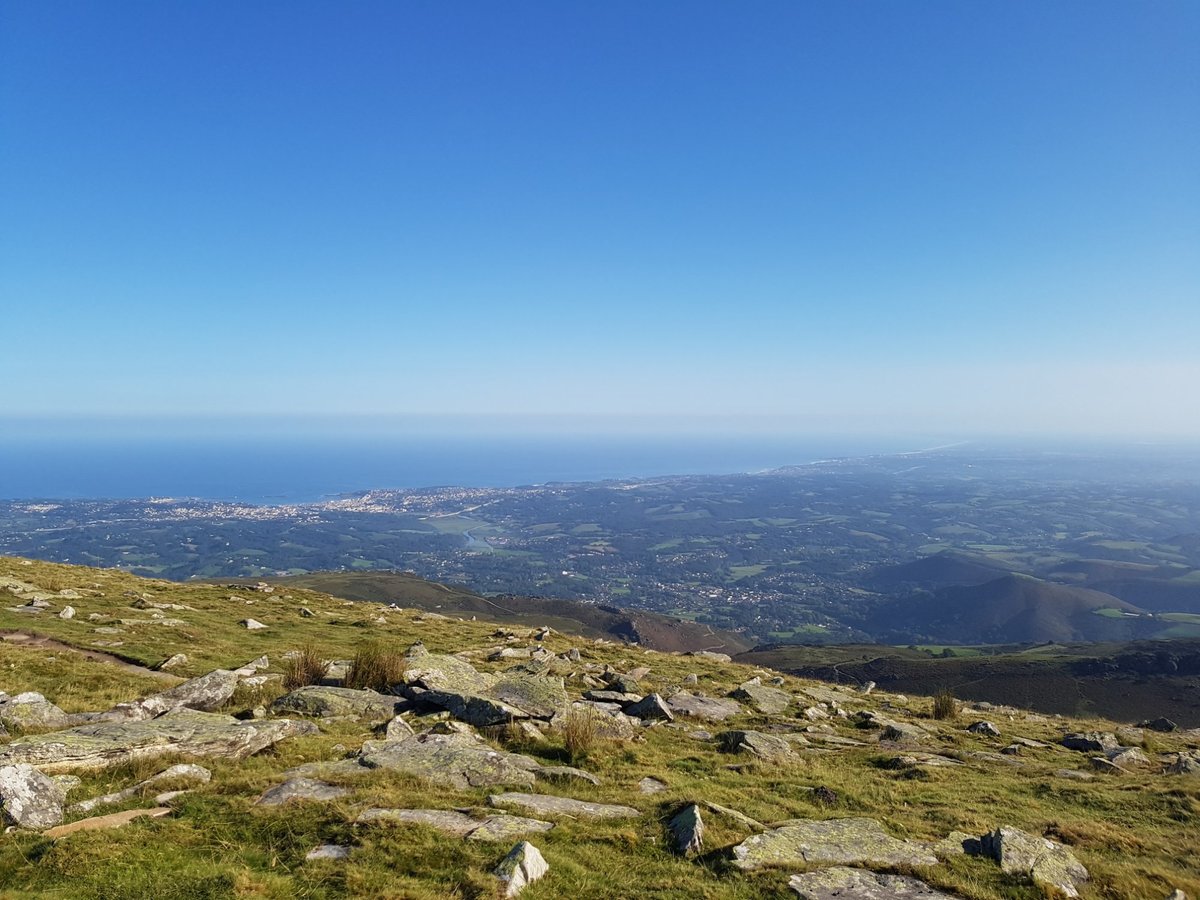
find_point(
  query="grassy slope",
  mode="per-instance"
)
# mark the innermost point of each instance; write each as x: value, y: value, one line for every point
x: 1136, y: 833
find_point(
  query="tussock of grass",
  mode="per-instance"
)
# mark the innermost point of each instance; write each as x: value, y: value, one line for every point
x: 305, y: 668
x: 581, y: 733
x: 944, y: 705
x: 376, y: 667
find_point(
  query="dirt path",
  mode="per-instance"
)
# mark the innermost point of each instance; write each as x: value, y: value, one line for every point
x: 31, y: 639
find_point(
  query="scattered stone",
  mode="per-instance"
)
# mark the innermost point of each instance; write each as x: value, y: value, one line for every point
x: 650, y: 785
x: 325, y: 702
x: 549, y: 805
x: 902, y: 732
x: 767, y: 747
x: 838, y: 841
x: 985, y: 728
x: 650, y: 708
x: 957, y: 843
x: 397, y: 729
x: 1107, y: 767
x: 522, y: 867
x: 710, y: 656
x: 206, y: 694
x: 1128, y: 757
x: 448, y: 821
x: 1161, y: 724
x: 687, y: 831
x: 868, y: 687
x: 300, y: 789
x: 67, y: 612
x: 173, y: 662
x: 1090, y: 742
x: 112, y: 820
x: 842, y: 883
x: 732, y: 814
x: 459, y: 760
x: 307, y: 613
x: 31, y: 711
x: 186, y: 773
x: 707, y: 708
x: 328, y: 851
x: 767, y: 700
x: 565, y: 773
x: 1046, y: 863
x: 181, y: 731
x: 252, y: 624
x: 29, y: 799
x: 1074, y: 775
x: 1184, y: 764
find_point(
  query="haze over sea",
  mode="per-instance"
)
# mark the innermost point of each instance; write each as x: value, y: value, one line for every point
x: 261, y: 468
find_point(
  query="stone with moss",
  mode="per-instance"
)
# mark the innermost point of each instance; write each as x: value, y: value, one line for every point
x: 325, y: 702
x: 811, y: 842
x: 842, y: 883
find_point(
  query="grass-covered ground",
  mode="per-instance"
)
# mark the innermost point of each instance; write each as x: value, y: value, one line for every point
x: 1136, y: 833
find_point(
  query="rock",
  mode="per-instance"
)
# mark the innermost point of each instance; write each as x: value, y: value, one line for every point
x: 1074, y: 775
x: 549, y: 805
x: 1046, y: 863
x: 706, y: 708
x: 1128, y: 757
x: 1027, y: 742
x: 1101, y: 764
x: 522, y: 867
x: 328, y: 851
x: 842, y: 883
x: 31, y: 711
x: 397, y: 729
x: 448, y: 821
x: 112, y: 820
x: 324, y: 702
x: 173, y: 662
x: 691, y: 678
x: 437, y: 672
x: 181, y: 731
x: 1161, y: 724
x: 732, y: 814
x: 767, y: 700
x: 868, y: 687
x: 617, y: 697
x: 811, y: 842
x: 252, y: 624
x: 650, y: 708
x: 768, y: 747
x: 902, y: 732
x: 1090, y: 742
x: 710, y: 655
x: 540, y: 696
x: 504, y: 827
x: 1184, y: 764
x: 307, y: 613
x: 985, y: 728
x: 650, y: 785
x: 185, y: 773
x: 687, y: 831
x: 956, y: 843
x: 300, y: 789
x: 28, y: 799
x: 206, y: 694
x: 458, y: 760
x: 1177, y: 895
x: 622, y: 684
x: 67, y: 612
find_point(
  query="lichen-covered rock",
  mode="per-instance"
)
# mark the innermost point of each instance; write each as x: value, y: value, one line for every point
x: 1184, y: 764
x: 182, y: 731
x: 498, y: 827
x: 324, y: 702
x: 522, y: 867
x: 652, y: 707
x: 328, y: 851
x: 710, y: 709
x: 549, y: 805
x: 687, y: 831
x: 767, y: 700
x: 438, y: 672
x: 206, y: 694
x: 540, y: 696
x: 457, y: 759
x: 31, y: 712
x: 1090, y: 741
x: 474, y: 709
x: 812, y: 842
x: 770, y: 747
x: 842, y: 883
x: 300, y: 789
x: 1045, y: 862
x: 29, y: 799
x: 985, y: 728
x: 184, y: 773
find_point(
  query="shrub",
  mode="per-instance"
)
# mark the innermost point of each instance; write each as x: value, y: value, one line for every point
x: 305, y: 668
x: 376, y: 668
x: 581, y: 731
x: 944, y: 705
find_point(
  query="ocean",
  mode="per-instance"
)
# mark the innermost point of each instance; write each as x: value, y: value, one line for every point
x: 293, y: 469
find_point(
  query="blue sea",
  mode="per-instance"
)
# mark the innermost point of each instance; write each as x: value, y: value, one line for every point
x: 295, y: 469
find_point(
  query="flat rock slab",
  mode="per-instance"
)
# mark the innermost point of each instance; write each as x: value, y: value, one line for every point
x: 181, y: 731
x: 548, y: 805
x: 323, y: 702
x: 113, y: 820
x: 456, y: 759
x: 300, y: 789
x: 499, y: 827
x: 710, y: 709
x: 771, y: 747
x: 1044, y: 862
x: 841, y: 883
x: 832, y: 841
x: 328, y: 851
x: 767, y: 700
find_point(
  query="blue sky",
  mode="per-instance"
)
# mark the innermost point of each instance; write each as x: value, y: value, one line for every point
x: 863, y: 216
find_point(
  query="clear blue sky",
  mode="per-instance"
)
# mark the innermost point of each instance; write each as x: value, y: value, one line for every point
x: 868, y: 215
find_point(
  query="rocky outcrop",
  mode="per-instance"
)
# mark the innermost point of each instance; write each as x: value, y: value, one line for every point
x: 295, y: 789
x: 842, y: 883
x: 112, y: 820
x: 323, y: 702
x: 207, y: 693
x: 768, y: 747
x: 1090, y: 741
x: 710, y: 709
x: 810, y: 842
x: 459, y: 760
x: 182, y: 731
x: 1046, y: 863
x: 30, y: 711
x: 767, y: 700
x: 29, y: 799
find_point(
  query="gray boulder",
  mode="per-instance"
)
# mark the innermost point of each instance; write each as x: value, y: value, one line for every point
x: 295, y: 789
x: 842, y: 883
x: 767, y: 700
x: 207, y: 693
x: 459, y: 760
x: 522, y: 866
x: 710, y: 709
x: 31, y: 712
x: 769, y: 747
x: 1045, y: 862
x: 811, y: 842
x: 984, y: 728
x: 1090, y: 741
x: 324, y: 702
x: 650, y: 708
x: 687, y: 831
x: 29, y: 799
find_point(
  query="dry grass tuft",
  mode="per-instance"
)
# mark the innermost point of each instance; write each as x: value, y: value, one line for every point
x: 581, y: 733
x: 306, y: 668
x: 944, y: 705
x: 376, y: 667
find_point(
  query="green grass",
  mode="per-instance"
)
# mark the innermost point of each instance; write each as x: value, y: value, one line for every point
x: 1134, y: 832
